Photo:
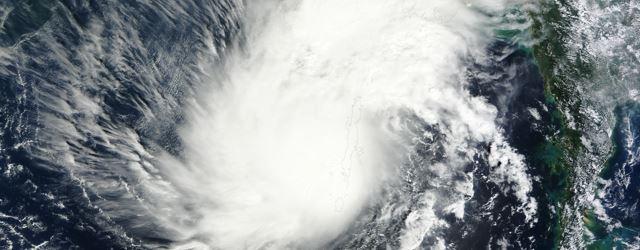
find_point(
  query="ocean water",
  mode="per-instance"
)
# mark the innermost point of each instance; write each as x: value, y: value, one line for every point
x: 300, y: 124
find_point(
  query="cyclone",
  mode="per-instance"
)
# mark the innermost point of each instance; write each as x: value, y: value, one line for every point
x: 300, y: 124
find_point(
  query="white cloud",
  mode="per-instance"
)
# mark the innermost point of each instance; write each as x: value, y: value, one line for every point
x: 301, y: 134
